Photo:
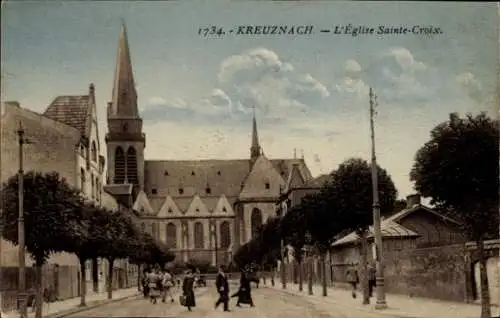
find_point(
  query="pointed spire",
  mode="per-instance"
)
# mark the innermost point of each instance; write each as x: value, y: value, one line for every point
x: 294, y: 153
x: 124, y: 103
x: 255, y: 149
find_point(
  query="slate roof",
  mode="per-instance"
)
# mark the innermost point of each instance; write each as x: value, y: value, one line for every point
x: 118, y: 189
x: 263, y: 172
x: 223, y: 177
x: 390, y: 226
x: 70, y: 110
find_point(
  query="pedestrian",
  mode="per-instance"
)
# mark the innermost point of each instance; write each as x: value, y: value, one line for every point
x: 168, y: 284
x: 144, y: 282
x: 187, y: 299
x: 221, y: 282
x: 154, y: 285
x: 352, y: 278
x: 244, y: 292
x: 372, y: 282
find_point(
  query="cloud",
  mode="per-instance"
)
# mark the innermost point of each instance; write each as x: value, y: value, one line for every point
x: 157, y: 101
x: 468, y: 83
x: 259, y: 78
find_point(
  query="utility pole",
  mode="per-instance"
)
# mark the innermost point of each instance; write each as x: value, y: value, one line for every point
x: 380, y: 288
x: 22, y: 296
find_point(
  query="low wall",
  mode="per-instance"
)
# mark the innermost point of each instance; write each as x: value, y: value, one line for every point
x: 438, y: 272
x: 59, y: 282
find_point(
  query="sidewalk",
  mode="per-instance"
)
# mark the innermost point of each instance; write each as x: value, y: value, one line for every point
x: 72, y: 305
x: 399, y: 305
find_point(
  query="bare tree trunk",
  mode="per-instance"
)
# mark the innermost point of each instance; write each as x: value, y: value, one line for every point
x: 310, y: 275
x: 38, y: 290
x: 301, y: 275
x: 109, y: 279
x: 95, y: 275
x: 323, y: 274
x: 483, y: 274
x: 139, y: 277
x: 83, y: 282
x: 364, y: 268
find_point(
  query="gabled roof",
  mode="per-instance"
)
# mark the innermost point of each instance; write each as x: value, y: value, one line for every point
x: 197, y: 207
x: 295, y: 179
x: 405, y: 212
x: 70, y: 110
x: 388, y: 228
x: 142, y: 205
x: 263, y: 173
x: 168, y: 208
x: 118, y: 189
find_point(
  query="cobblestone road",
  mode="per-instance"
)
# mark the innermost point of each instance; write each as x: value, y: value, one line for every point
x: 269, y: 303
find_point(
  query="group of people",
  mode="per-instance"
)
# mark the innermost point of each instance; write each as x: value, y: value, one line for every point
x: 222, y: 284
x: 158, y: 283
x: 353, y: 279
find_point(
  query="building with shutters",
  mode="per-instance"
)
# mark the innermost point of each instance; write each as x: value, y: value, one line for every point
x: 203, y: 209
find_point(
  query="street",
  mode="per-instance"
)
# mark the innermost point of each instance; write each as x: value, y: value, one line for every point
x: 268, y: 303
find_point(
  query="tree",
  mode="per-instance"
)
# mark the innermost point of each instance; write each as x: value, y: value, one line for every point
x: 293, y: 233
x: 352, y: 185
x: 458, y: 169
x: 49, y: 218
x: 120, y: 239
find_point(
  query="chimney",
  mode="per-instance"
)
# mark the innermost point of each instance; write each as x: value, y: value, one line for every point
x: 91, y: 89
x: 412, y: 200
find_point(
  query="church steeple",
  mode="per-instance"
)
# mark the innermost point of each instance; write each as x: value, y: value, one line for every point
x: 124, y: 103
x: 255, y: 150
x: 125, y: 141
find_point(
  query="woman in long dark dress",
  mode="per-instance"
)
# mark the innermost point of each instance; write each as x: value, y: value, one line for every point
x: 188, y: 290
x: 244, y: 292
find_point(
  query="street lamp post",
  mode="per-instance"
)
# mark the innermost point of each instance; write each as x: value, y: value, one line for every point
x: 380, y: 288
x: 22, y: 296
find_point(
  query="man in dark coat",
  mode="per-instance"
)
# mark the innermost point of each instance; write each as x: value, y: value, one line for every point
x: 222, y: 284
x: 244, y: 293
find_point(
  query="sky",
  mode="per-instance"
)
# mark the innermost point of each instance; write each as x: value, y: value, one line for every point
x: 196, y: 93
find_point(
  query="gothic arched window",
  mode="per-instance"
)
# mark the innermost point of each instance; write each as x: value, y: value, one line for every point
x: 93, y: 185
x: 155, y: 230
x: 93, y: 151
x: 119, y: 165
x: 256, y: 220
x: 171, y: 235
x: 82, y: 180
x: 132, y: 166
x: 198, y: 235
x: 225, y: 234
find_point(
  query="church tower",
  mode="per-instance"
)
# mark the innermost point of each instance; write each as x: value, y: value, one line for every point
x: 125, y: 141
x: 255, y: 149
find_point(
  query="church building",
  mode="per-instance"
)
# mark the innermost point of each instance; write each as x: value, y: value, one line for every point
x: 202, y: 209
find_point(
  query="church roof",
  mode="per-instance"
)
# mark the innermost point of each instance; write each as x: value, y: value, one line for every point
x: 70, y: 110
x: 264, y: 181
x: 226, y: 177
x: 185, y: 178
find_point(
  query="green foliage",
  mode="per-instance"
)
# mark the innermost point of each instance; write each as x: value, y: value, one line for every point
x: 50, y: 219
x: 342, y: 205
x: 57, y: 219
x: 458, y: 169
x: 351, y: 188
